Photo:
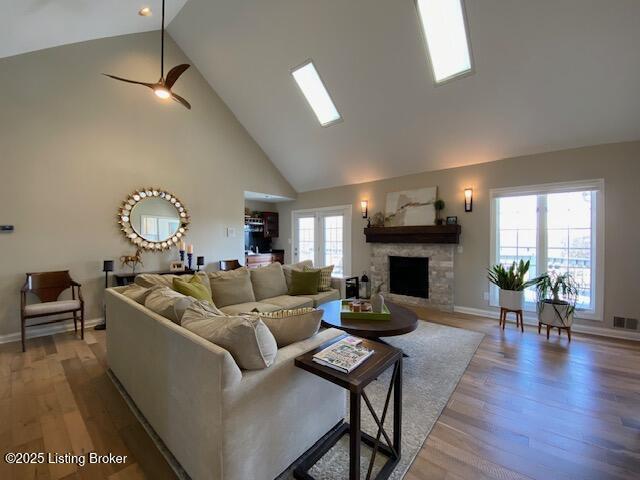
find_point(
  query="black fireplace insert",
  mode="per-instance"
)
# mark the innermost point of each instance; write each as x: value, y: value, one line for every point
x: 409, y: 276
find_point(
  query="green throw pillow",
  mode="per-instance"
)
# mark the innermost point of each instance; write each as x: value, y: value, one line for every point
x: 304, y: 283
x: 325, y: 276
x: 193, y: 288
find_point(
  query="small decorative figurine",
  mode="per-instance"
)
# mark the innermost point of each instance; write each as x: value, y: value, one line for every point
x: 132, y: 260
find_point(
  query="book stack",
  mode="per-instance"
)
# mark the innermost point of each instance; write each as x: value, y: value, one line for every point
x: 344, y: 355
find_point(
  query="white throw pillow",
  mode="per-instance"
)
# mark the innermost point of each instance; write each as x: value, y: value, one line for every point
x: 246, y: 338
x: 291, y: 326
x: 168, y: 303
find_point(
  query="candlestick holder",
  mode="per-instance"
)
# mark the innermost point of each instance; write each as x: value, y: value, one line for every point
x: 181, y: 255
x: 189, y: 259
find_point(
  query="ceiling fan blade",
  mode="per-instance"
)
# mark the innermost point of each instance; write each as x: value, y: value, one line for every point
x: 181, y: 100
x: 174, y: 74
x: 150, y: 85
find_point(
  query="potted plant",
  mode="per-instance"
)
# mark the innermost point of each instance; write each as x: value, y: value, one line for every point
x: 439, y: 206
x: 511, y: 282
x: 557, y: 298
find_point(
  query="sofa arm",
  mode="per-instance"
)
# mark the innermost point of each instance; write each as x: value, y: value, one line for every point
x: 338, y: 284
x: 175, y: 378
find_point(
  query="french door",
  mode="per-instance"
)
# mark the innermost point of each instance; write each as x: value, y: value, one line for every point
x: 324, y: 236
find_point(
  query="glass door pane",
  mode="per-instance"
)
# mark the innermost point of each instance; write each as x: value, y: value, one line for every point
x: 569, y: 235
x: 517, y: 234
x: 304, y: 246
x: 333, y: 243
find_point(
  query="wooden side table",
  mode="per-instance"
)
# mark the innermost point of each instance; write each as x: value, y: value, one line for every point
x: 384, y: 357
x: 519, y: 318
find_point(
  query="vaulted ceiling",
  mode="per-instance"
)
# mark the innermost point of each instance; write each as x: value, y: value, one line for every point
x: 28, y: 25
x: 549, y: 75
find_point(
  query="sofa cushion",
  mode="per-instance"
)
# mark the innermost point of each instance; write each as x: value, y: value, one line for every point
x: 246, y: 338
x: 136, y: 293
x: 304, y: 283
x: 268, y: 281
x: 290, y: 326
x: 289, y: 301
x: 249, y: 307
x: 168, y: 303
x: 193, y: 288
x: 287, y: 269
x: 325, y: 276
x: 148, y: 280
x: 324, y: 297
x: 232, y: 287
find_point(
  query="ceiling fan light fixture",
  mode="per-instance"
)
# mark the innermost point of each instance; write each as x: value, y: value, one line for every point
x: 145, y: 12
x: 163, y: 87
x: 162, y: 93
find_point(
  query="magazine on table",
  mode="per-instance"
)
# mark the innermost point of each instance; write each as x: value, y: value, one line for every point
x: 344, y: 355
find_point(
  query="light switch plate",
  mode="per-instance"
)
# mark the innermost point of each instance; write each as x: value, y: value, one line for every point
x: 231, y: 232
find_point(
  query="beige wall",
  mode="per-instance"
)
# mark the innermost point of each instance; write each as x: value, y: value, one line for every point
x: 258, y: 206
x: 74, y: 144
x: 617, y: 164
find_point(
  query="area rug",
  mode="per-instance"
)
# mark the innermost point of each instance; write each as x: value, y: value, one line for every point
x: 438, y: 357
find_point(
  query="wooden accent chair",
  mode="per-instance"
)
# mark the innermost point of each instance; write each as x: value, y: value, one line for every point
x: 226, y: 265
x: 48, y: 286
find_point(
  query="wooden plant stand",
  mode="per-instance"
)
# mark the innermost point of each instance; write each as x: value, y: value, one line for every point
x: 549, y: 327
x: 519, y: 318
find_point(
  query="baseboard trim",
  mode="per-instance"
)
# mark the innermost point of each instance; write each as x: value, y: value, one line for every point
x: 45, y: 330
x: 531, y: 319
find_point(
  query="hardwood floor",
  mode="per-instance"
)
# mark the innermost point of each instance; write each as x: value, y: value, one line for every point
x: 525, y: 408
x: 531, y: 408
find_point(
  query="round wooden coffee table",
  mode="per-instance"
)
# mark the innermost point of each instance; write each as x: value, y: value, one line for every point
x: 402, y: 321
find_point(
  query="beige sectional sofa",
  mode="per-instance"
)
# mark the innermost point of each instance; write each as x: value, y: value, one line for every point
x: 270, y: 286
x: 220, y: 422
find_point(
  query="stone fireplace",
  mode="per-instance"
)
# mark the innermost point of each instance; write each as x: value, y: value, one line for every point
x: 419, y: 273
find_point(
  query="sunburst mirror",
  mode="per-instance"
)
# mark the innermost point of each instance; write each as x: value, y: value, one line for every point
x: 153, y: 219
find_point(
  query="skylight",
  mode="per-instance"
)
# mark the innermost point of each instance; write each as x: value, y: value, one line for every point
x: 445, y: 32
x: 307, y: 78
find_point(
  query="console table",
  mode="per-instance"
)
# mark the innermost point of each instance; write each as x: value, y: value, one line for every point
x: 384, y: 357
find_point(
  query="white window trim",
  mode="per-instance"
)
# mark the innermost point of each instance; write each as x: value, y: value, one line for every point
x: 597, y: 222
x: 347, y: 211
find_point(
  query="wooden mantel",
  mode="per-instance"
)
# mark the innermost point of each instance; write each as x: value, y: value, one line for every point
x: 414, y: 234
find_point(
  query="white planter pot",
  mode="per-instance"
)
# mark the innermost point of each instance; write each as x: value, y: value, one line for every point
x: 511, y: 299
x: 555, y: 314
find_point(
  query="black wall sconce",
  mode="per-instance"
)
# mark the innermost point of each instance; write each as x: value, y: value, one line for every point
x: 364, y: 208
x: 468, y: 199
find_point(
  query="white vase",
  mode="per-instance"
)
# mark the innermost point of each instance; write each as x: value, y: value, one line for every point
x: 511, y: 299
x: 377, y: 303
x: 555, y: 314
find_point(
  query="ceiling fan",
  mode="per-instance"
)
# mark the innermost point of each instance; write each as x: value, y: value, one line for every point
x: 162, y: 88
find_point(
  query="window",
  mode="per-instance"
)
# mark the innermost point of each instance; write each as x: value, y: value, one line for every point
x: 445, y: 33
x: 323, y: 236
x: 557, y: 227
x: 313, y: 89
